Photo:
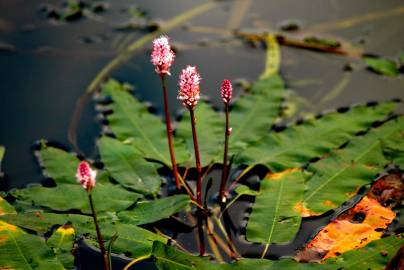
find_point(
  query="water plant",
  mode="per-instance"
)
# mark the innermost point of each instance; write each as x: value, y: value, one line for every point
x: 343, y: 167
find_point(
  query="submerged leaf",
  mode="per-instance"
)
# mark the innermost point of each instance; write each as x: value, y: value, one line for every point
x: 151, y: 211
x: 19, y: 250
x: 382, y: 66
x: 274, y: 218
x: 128, y: 167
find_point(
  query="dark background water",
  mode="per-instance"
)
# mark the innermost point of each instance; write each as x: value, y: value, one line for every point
x: 46, y: 66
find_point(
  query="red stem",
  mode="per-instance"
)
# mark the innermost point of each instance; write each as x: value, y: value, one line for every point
x: 198, y: 184
x: 99, y: 236
x: 170, y: 133
x: 226, y: 146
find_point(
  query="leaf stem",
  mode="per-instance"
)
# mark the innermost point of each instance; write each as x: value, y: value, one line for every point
x: 99, y: 236
x: 170, y: 133
x: 227, y: 133
x: 198, y: 184
x: 133, y: 262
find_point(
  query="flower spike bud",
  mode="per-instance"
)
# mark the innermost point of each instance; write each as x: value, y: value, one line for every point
x: 86, y: 176
x: 226, y: 91
x: 162, y: 56
x: 189, y: 92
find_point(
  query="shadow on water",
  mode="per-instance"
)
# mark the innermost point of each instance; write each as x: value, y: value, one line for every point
x: 46, y: 66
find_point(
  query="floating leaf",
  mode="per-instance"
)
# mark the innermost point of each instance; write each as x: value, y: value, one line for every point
x: 131, y: 120
x: 382, y: 66
x: 58, y: 164
x: 210, y: 132
x: 19, y: 250
x: 61, y: 242
x: 298, y: 144
x: 151, y: 211
x: 128, y: 167
x: 132, y: 240
x: 273, y: 218
x: 246, y: 116
x: 107, y: 197
x: 374, y: 256
x: 6, y: 208
x: 344, y: 171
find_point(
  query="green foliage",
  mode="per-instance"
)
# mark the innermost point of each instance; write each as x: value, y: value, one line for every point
x: 369, y: 257
x: 128, y: 167
x: 210, y: 132
x: 274, y: 218
x: 298, y: 144
x: 382, y: 66
x: 57, y: 164
x: 19, y: 250
x: 347, y: 169
x: 247, y: 113
x: 72, y: 196
x: 131, y: 120
x: 150, y: 211
x: 62, y: 241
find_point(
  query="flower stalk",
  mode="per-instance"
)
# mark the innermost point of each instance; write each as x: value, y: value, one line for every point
x: 162, y: 57
x: 170, y: 134
x: 189, y: 94
x: 226, y: 92
x: 87, y: 178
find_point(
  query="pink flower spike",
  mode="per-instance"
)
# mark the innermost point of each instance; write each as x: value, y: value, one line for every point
x: 162, y: 56
x: 227, y: 91
x: 86, y: 176
x: 189, y: 92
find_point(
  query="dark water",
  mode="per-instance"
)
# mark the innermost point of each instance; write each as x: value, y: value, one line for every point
x: 46, y: 66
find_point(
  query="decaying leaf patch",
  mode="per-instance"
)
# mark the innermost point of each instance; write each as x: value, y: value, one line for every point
x: 360, y: 225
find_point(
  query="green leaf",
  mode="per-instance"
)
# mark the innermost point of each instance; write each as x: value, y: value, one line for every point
x: 274, y: 218
x: 297, y: 144
x: 246, y: 114
x: 128, y: 167
x: 210, y: 132
x: 41, y: 222
x: 2, y: 151
x: 132, y: 240
x: 61, y: 242
x: 6, y: 208
x: 382, y: 66
x: 253, y: 114
x: 345, y: 170
x: 19, y: 250
x: 58, y: 164
x: 151, y: 211
x: 367, y: 258
x: 107, y: 197
x: 131, y: 120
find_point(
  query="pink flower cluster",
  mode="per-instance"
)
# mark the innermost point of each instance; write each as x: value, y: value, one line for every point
x: 162, y: 57
x: 86, y: 176
x: 189, y: 92
x: 226, y: 91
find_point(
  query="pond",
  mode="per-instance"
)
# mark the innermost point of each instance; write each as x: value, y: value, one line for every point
x: 47, y: 64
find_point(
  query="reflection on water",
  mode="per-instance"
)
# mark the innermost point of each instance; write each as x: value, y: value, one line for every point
x: 52, y: 64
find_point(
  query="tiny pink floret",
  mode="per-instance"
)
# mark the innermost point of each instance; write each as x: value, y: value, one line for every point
x: 86, y: 176
x: 189, y: 92
x: 162, y: 56
x: 226, y: 91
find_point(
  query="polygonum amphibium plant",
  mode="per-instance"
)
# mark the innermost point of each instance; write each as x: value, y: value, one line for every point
x: 319, y: 193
